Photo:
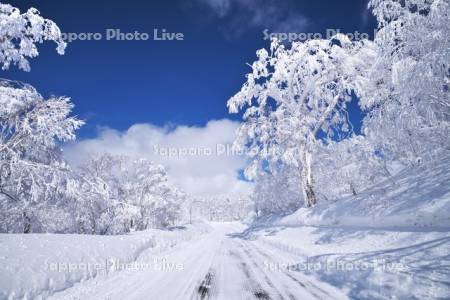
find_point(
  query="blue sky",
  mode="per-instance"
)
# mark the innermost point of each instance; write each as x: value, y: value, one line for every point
x: 134, y: 94
x: 120, y: 83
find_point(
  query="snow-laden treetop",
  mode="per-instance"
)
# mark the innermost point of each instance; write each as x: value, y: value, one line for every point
x: 19, y: 34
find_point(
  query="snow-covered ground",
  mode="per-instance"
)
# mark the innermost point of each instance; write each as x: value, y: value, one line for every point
x: 220, y: 265
x: 231, y: 261
x: 414, y: 197
x: 37, y: 265
x: 364, y: 263
x: 391, y: 241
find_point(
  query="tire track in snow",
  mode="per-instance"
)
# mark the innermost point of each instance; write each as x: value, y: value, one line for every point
x: 204, y: 290
x: 296, y: 280
x: 251, y: 284
x: 304, y: 282
x: 261, y: 270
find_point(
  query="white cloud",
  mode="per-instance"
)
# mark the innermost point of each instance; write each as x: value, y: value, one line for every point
x: 206, y: 170
x: 220, y: 7
x: 242, y: 14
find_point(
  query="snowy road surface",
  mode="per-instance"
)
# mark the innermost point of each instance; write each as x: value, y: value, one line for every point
x: 220, y: 265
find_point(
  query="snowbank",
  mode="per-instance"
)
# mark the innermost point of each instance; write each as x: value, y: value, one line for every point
x: 415, y: 197
x: 37, y: 265
x: 366, y: 263
x: 390, y: 241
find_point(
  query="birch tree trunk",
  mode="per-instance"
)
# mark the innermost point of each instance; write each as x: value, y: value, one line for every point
x: 307, y: 180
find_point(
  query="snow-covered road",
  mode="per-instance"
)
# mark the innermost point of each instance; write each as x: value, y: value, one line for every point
x: 220, y: 265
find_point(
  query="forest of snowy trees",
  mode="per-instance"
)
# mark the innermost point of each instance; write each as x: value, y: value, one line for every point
x: 295, y: 103
x: 303, y: 149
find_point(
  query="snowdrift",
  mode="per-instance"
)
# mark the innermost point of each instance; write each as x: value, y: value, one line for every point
x: 34, y: 266
x: 414, y: 197
x: 390, y: 241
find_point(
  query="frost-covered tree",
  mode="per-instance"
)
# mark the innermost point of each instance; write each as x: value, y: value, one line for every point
x: 408, y: 97
x: 19, y: 34
x: 95, y: 204
x: 341, y: 168
x: 32, y: 171
x: 295, y: 98
x: 38, y: 190
x: 147, y: 188
x: 220, y: 207
x: 120, y: 194
x: 34, y: 180
x: 347, y: 167
x: 276, y: 191
x: 295, y: 101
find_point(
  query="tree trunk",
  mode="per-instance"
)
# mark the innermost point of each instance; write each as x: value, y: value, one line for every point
x: 352, y: 188
x: 307, y: 181
x: 26, y: 223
